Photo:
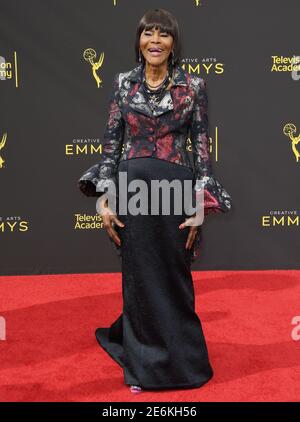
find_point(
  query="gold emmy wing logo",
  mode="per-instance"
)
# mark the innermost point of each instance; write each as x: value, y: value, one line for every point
x: 90, y: 56
x: 290, y: 130
x: 2, y: 144
x: 197, y: 2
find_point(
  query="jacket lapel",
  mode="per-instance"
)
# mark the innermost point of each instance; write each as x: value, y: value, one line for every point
x: 139, y: 102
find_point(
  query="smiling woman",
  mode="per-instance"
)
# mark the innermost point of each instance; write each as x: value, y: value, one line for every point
x: 149, y: 40
x: 158, y: 339
x: 157, y: 43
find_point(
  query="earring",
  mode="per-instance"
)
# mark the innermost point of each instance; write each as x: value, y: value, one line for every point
x: 173, y: 59
x: 140, y: 59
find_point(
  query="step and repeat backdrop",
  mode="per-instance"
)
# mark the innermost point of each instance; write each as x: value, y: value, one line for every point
x: 57, y: 63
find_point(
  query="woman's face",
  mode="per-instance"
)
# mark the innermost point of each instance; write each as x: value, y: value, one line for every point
x: 155, y: 46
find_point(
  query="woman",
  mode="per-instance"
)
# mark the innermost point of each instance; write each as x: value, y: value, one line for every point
x: 158, y: 338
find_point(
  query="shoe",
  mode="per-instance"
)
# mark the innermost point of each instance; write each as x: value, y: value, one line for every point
x: 135, y: 389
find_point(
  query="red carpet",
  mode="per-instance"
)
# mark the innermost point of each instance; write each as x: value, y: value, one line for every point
x: 50, y: 352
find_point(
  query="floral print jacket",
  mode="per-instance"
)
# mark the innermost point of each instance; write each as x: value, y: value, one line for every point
x: 163, y: 133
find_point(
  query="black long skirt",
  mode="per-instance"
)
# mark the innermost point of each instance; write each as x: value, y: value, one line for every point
x: 158, y: 339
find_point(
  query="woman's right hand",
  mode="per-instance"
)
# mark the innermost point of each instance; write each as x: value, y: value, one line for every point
x: 194, y: 223
x: 109, y: 220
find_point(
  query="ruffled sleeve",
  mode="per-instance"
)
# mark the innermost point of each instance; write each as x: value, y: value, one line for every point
x: 100, y: 177
x: 216, y: 198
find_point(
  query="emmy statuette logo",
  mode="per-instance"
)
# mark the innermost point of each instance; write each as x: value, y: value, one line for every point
x: 90, y: 55
x: 290, y: 130
x: 2, y: 144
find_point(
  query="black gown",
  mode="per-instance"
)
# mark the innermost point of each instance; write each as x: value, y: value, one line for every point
x: 158, y: 339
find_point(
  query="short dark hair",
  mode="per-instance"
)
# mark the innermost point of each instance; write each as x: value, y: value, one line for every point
x: 165, y: 22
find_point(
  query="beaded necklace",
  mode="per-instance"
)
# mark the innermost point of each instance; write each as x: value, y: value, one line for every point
x: 154, y: 96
